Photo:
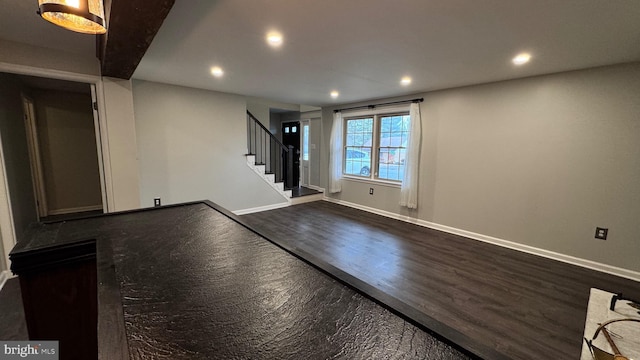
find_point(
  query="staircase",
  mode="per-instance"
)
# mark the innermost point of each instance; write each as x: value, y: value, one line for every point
x: 268, y: 157
x: 273, y: 161
x: 269, y: 177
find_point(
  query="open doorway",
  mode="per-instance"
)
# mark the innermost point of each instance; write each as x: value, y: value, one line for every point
x: 291, y: 128
x: 19, y: 107
x: 64, y: 157
x: 291, y: 139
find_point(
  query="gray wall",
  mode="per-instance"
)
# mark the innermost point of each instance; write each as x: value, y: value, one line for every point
x: 275, y: 125
x: 191, y: 146
x: 539, y: 161
x: 68, y: 149
x: 48, y: 59
x: 16, y: 154
x: 260, y: 111
x: 261, y: 108
x: 289, y: 116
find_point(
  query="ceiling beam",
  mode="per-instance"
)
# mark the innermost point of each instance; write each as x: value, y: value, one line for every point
x: 132, y: 25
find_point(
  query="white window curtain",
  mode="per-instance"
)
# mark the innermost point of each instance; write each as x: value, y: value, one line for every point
x: 335, y: 160
x: 409, y: 190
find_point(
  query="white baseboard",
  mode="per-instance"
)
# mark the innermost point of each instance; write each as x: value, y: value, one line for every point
x: 306, y: 199
x: 4, y: 276
x: 74, y: 210
x: 261, y: 208
x: 589, y: 264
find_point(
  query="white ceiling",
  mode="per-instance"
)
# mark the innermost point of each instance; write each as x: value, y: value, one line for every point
x: 361, y: 47
x: 19, y: 22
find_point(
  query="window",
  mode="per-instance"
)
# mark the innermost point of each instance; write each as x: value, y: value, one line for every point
x: 392, y: 147
x: 305, y: 143
x: 384, y: 135
x: 358, y: 147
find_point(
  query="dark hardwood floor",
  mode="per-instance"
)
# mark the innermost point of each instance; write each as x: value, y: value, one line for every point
x: 303, y: 191
x: 483, y: 297
x: 13, y: 325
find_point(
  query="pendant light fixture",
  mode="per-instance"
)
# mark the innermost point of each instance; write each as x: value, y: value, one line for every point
x: 84, y: 16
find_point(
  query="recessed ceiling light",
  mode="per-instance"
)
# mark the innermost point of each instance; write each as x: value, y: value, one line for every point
x: 334, y: 94
x: 274, y: 39
x: 217, y: 71
x: 521, y: 59
x: 405, y: 81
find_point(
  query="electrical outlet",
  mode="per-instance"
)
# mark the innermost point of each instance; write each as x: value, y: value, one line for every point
x: 601, y: 233
x: 156, y: 201
x: 370, y: 191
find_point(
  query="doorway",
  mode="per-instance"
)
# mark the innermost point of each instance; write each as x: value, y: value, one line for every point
x: 18, y: 204
x: 291, y: 138
x: 65, y: 153
x: 60, y: 124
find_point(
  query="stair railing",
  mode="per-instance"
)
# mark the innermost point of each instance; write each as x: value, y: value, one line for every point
x: 269, y: 151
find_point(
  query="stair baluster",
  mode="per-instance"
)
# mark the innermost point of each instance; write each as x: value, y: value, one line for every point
x: 268, y: 150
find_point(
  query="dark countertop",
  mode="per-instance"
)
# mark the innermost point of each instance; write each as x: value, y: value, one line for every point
x: 189, y: 282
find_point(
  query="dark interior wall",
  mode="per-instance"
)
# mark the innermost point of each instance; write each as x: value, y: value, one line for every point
x: 16, y: 153
x: 67, y: 140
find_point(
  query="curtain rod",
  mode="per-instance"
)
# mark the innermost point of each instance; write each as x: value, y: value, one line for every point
x: 371, y: 107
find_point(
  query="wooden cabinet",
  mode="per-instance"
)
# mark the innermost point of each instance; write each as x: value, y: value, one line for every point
x: 59, y: 293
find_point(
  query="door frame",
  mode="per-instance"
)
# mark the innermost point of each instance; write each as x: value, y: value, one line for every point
x: 99, y: 146
x: 33, y: 145
x: 7, y: 228
x: 305, y: 176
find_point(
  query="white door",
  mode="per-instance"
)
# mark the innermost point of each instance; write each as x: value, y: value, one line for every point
x: 305, y: 153
x: 34, y: 156
x: 96, y: 125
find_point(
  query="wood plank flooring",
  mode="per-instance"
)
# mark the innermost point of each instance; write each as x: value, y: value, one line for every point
x: 493, y: 301
x: 302, y: 191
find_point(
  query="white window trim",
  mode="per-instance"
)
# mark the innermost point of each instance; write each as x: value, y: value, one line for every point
x: 386, y: 110
x: 394, y: 184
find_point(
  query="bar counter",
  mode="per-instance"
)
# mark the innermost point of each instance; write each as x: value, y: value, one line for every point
x: 190, y: 281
